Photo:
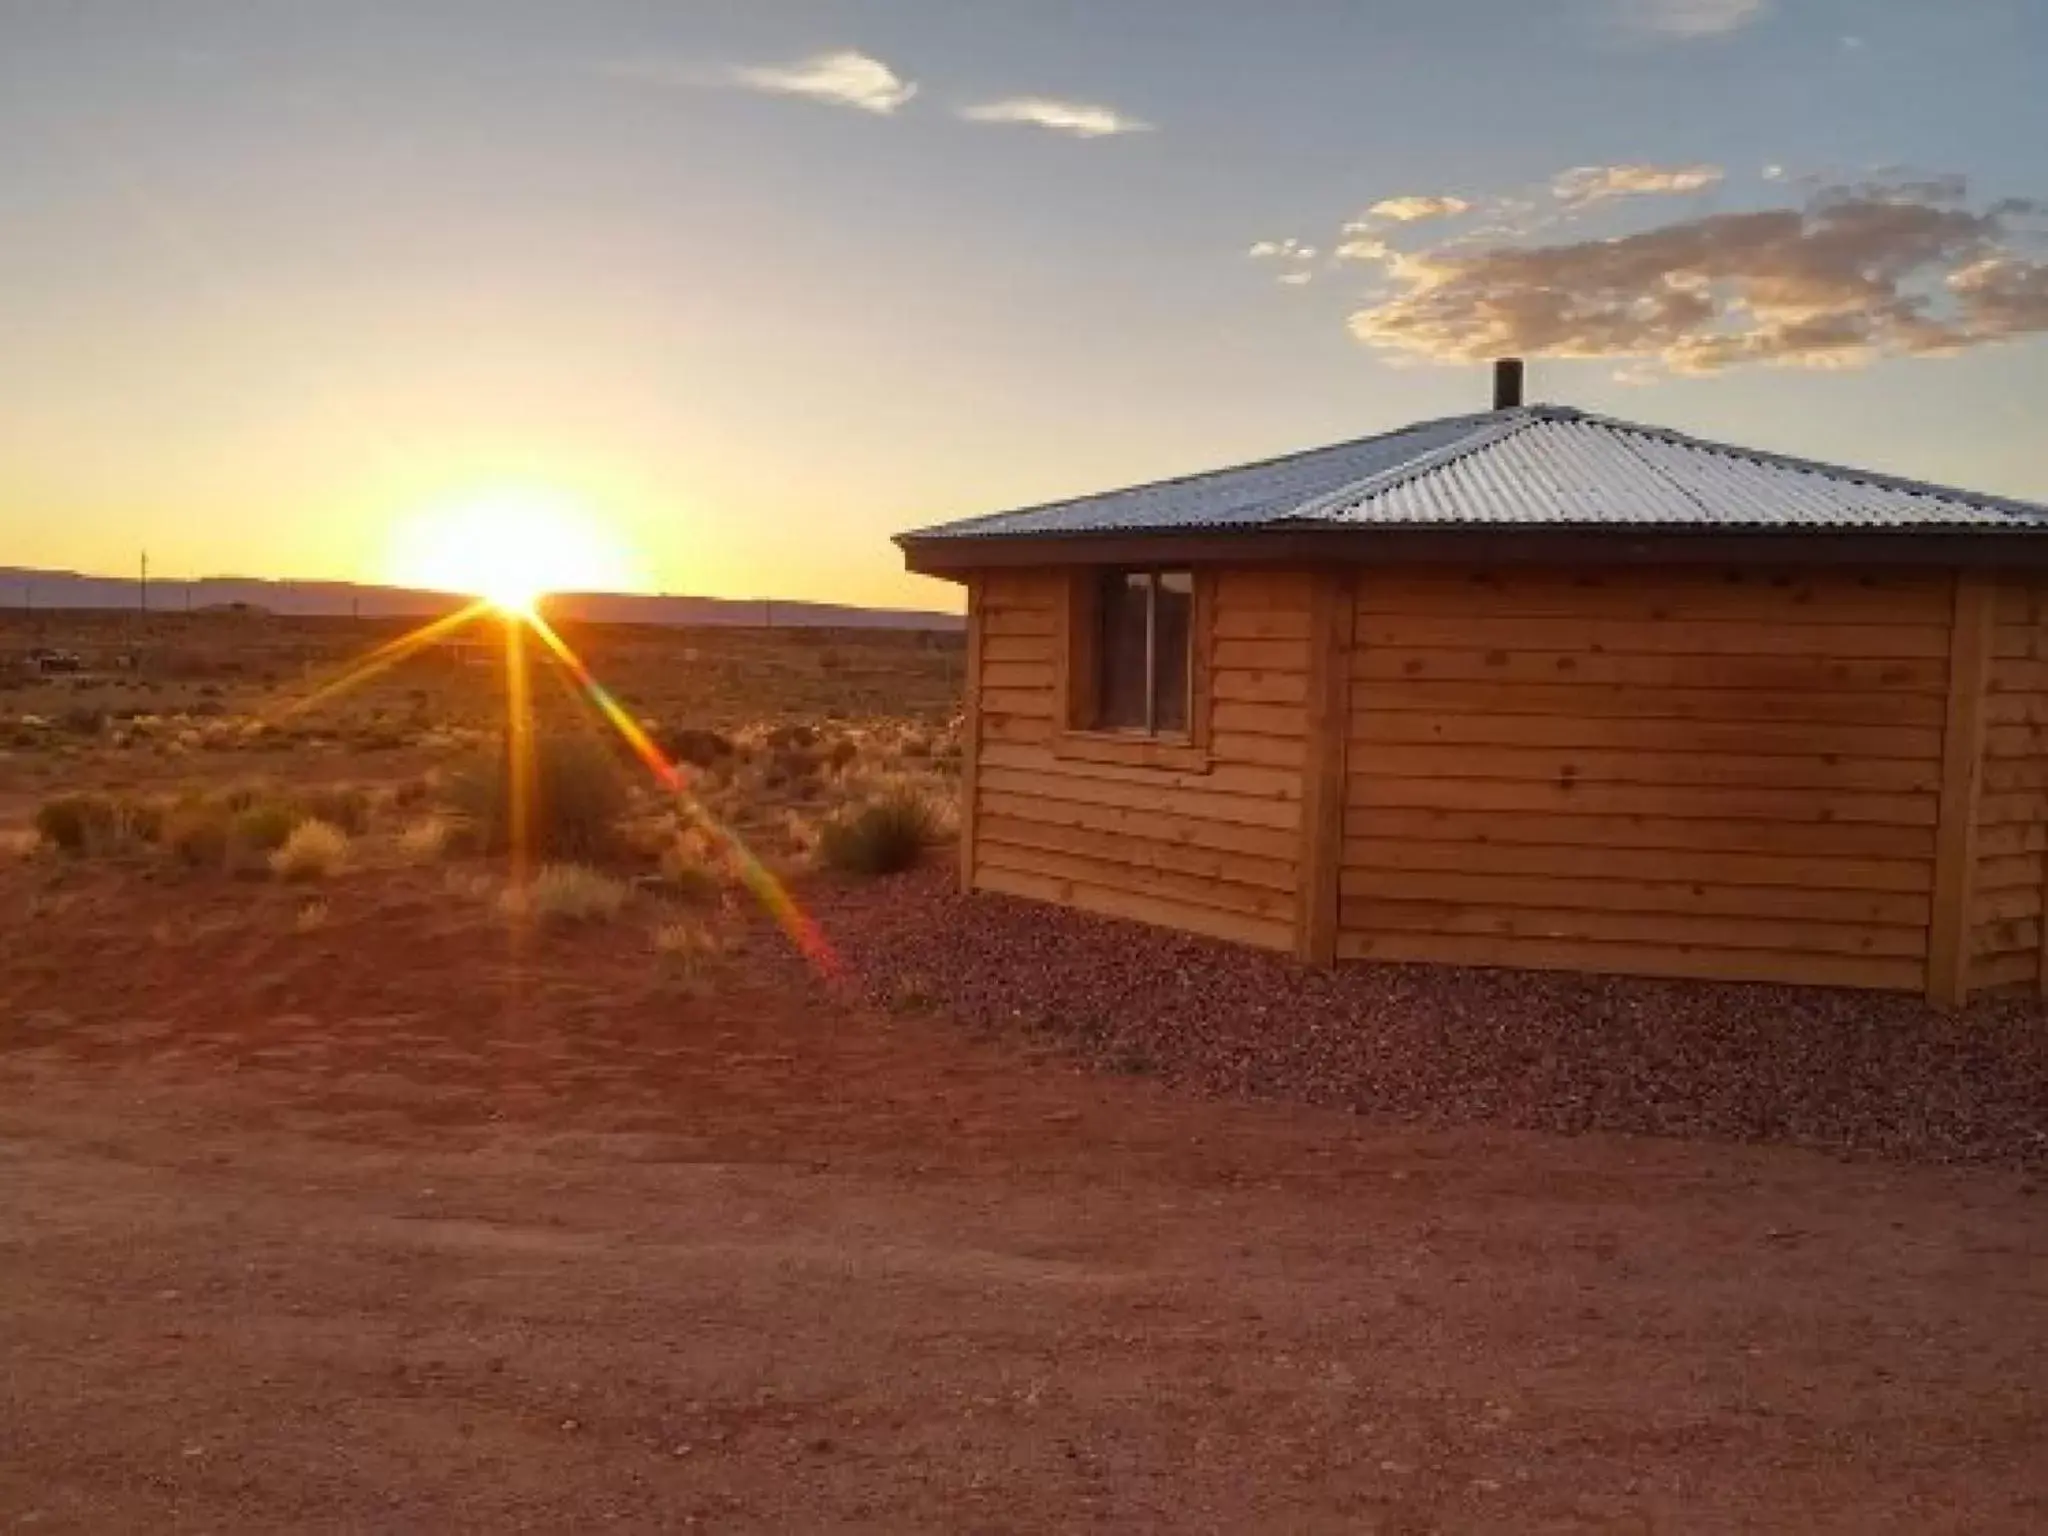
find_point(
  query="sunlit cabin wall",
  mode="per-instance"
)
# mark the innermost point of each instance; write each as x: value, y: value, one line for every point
x: 2006, y: 895
x: 1814, y: 776
x: 1730, y: 774
x: 1208, y: 850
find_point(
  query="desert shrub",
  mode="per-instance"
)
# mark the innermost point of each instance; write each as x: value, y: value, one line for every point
x: 800, y: 832
x: 339, y: 805
x: 141, y: 821
x: 692, y: 866
x: 566, y: 893
x: 263, y: 824
x: 579, y: 799
x: 882, y: 837
x: 195, y: 833
x: 313, y: 851
x: 694, y: 745
x: 424, y: 840
x: 96, y: 824
x: 789, y: 768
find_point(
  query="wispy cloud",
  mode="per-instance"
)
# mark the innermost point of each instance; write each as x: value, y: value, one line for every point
x: 1587, y: 184
x: 1690, y: 18
x: 1293, y: 258
x: 1859, y: 272
x: 1081, y: 119
x: 1415, y: 206
x: 844, y: 79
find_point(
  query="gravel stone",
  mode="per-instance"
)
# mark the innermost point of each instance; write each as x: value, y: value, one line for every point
x: 1846, y: 1071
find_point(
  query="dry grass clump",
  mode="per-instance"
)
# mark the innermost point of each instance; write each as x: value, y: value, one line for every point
x: 261, y: 824
x: 339, y: 805
x: 424, y: 840
x: 566, y: 893
x: 692, y: 865
x: 884, y: 836
x: 686, y: 938
x: 97, y: 825
x: 800, y: 834
x: 578, y: 800
x: 310, y: 917
x: 313, y: 851
x: 197, y: 833
x: 685, y: 949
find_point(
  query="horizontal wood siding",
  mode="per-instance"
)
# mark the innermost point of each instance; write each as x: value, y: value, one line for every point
x: 1727, y: 774
x: 1211, y: 850
x: 2005, y: 919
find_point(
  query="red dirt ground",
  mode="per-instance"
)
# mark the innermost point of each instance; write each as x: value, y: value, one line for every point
x: 384, y: 1227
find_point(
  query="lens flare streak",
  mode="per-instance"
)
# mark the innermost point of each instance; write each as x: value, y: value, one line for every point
x: 803, y: 931
x: 381, y: 659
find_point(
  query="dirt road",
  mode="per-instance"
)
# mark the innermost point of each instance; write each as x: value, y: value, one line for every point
x: 309, y: 1232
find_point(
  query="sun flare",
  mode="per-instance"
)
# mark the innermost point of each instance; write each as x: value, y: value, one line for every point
x: 512, y: 548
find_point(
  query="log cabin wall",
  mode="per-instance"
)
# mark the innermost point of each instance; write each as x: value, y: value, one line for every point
x: 1694, y: 773
x: 1211, y: 849
x: 1829, y: 777
x: 2007, y: 891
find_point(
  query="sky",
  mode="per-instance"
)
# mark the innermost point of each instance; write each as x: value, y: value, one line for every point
x: 753, y: 284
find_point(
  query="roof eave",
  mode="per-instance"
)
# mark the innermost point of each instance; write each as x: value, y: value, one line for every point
x: 955, y: 556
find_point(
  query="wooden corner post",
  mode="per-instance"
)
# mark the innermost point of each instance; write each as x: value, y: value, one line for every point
x: 1320, y: 865
x: 970, y: 727
x: 1962, y: 782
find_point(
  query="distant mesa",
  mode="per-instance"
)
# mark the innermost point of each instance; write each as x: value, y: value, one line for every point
x: 22, y: 589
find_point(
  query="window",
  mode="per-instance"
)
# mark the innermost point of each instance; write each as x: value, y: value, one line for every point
x: 1144, y: 634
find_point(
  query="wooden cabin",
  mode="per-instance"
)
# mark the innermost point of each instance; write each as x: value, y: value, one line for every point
x: 1528, y: 688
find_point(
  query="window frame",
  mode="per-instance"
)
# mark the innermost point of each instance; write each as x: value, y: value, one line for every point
x: 1080, y: 733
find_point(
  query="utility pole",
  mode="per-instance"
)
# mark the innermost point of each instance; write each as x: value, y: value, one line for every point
x: 142, y: 588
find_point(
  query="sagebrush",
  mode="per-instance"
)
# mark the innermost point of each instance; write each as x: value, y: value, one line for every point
x: 566, y: 893
x: 882, y: 837
x: 577, y: 798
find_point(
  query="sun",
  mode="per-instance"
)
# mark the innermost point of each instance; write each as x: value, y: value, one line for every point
x: 511, y: 547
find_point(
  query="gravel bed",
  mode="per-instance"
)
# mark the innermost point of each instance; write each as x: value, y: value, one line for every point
x: 1840, y: 1070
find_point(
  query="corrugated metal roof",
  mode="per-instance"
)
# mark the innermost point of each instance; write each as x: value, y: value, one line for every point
x: 1533, y: 466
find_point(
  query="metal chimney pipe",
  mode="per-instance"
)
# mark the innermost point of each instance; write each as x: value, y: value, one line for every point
x: 1507, y: 383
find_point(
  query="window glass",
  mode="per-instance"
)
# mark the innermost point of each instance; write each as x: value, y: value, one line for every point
x: 1125, y: 606
x: 1173, y: 622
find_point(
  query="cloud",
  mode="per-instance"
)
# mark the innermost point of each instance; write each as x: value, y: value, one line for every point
x: 1296, y: 260
x: 1363, y: 248
x: 1081, y: 119
x: 844, y: 79
x: 1690, y: 18
x: 1859, y: 272
x: 1413, y: 206
x: 1588, y: 184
